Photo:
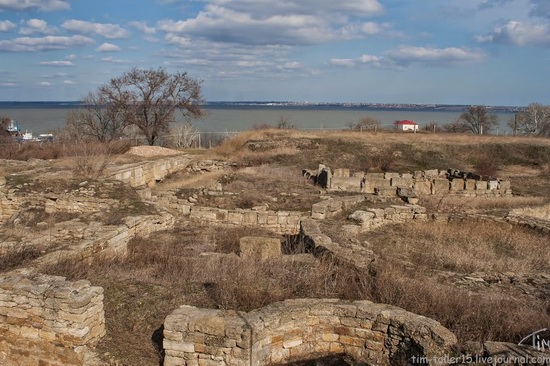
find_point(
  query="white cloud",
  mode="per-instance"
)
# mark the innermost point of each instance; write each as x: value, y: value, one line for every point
x: 285, y: 22
x: 362, y: 60
x: 6, y: 26
x: 28, y: 44
x: 143, y: 27
x: 33, y: 26
x: 71, y: 57
x: 106, y: 30
x: 68, y: 82
x: 43, y: 5
x: 108, y: 47
x: 115, y: 60
x: 406, y: 55
x: 519, y: 34
x: 57, y: 63
x: 8, y: 85
x: 45, y: 83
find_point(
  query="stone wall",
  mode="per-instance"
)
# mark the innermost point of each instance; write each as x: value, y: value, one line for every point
x: 284, y: 222
x: 46, y: 320
x: 147, y: 174
x: 355, y: 255
x: 95, y: 240
x: 303, y: 329
x: 422, y: 182
x: 331, y: 207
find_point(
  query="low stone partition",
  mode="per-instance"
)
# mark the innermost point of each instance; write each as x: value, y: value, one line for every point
x: 331, y: 207
x: 376, y: 217
x: 147, y: 174
x: 47, y: 320
x: 283, y: 222
x: 426, y: 182
x: 302, y: 329
x: 81, y: 241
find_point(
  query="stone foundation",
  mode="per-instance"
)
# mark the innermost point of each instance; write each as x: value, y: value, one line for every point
x: 147, y: 174
x: 46, y: 320
x: 422, y: 182
x: 303, y: 329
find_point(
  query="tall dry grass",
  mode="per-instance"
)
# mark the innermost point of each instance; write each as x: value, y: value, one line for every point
x: 465, y: 246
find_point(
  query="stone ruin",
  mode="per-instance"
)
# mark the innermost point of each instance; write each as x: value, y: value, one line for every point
x: 47, y: 320
x: 302, y: 329
x: 407, y: 185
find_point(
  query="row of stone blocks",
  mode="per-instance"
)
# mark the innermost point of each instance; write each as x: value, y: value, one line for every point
x: 146, y: 174
x: 286, y: 222
x: 301, y: 329
x: 423, y: 182
x: 46, y: 320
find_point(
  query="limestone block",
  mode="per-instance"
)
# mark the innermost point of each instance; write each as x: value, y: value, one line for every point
x: 481, y: 185
x: 457, y: 184
x: 346, y: 184
x: 402, y: 182
x: 422, y: 186
x: 431, y: 173
x: 371, y: 182
x: 361, y: 217
x: 389, y: 175
x: 259, y: 248
x: 386, y: 191
x: 470, y: 185
x: 440, y: 186
x: 492, y: 184
x: 340, y: 173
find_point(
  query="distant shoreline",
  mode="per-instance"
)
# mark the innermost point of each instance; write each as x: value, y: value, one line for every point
x: 287, y: 105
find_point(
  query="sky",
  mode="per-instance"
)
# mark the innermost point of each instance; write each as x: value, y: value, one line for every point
x: 491, y: 52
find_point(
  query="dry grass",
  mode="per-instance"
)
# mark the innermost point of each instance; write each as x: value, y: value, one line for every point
x: 17, y: 257
x: 276, y: 187
x: 465, y: 246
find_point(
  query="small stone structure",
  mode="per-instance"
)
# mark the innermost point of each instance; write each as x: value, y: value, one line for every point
x: 259, y: 248
x: 303, y: 329
x: 46, y: 320
x: 431, y: 182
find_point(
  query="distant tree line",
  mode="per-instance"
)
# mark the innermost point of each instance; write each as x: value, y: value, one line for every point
x: 146, y: 100
x: 534, y: 120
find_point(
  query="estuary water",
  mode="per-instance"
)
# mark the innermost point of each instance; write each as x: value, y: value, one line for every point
x: 46, y: 118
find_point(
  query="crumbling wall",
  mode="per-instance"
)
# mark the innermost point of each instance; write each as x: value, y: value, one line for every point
x: 47, y: 320
x: 302, y: 329
x: 431, y: 182
x: 147, y: 174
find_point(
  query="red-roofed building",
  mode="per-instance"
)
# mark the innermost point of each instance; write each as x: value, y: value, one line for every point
x: 406, y: 125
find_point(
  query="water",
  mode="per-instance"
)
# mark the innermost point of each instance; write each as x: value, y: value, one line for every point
x: 41, y: 118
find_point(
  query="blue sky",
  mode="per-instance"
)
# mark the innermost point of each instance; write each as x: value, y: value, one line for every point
x: 494, y: 52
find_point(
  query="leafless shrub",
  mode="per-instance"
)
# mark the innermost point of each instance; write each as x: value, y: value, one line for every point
x: 184, y: 135
x: 90, y: 159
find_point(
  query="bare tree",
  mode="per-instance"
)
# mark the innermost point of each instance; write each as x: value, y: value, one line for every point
x: 149, y: 99
x: 535, y: 120
x: 368, y: 124
x: 478, y: 120
x: 97, y: 118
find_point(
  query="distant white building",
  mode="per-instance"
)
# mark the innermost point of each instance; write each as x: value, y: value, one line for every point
x: 406, y: 125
